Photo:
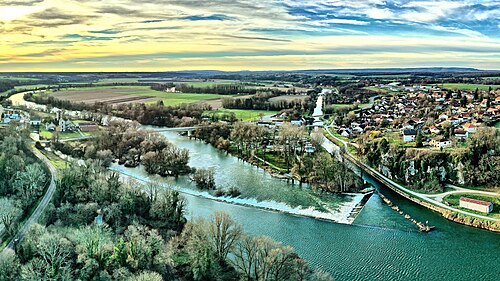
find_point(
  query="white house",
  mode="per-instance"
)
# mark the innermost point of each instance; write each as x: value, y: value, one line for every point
x: 440, y: 142
x: 461, y: 134
x: 409, y: 135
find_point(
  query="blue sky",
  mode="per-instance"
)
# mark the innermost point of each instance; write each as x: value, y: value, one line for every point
x: 147, y: 35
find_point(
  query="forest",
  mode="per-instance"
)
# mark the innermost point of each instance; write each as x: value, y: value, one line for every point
x: 22, y: 180
x: 100, y: 228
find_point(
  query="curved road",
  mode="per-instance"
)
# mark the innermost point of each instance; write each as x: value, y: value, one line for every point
x: 35, y: 216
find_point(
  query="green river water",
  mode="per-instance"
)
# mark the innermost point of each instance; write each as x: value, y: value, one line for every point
x: 380, y: 245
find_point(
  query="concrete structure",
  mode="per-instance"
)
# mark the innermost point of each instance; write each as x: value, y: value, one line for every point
x: 476, y: 205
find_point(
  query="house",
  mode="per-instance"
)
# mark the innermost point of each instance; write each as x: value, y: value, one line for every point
x: 11, y: 115
x: 409, y: 135
x: 440, y: 142
x: 35, y: 122
x: 469, y: 127
x: 461, y: 134
x: 434, y: 130
x: 66, y: 125
x: 50, y: 127
x: 476, y: 205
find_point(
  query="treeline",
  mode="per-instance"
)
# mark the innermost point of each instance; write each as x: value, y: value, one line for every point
x: 99, y: 228
x: 429, y: 170
x: 221, y: 89
x: 350, y: 94
x: 247, y: 140
x: 22, y: 180
x: 156, y: 115
x: 261, y: 101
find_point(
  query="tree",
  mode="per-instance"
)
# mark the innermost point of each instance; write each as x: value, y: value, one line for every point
x: 290, y: 137
x: 29, y: 184
x: 9, y: 267
x: 204, y: 178
x: 146, y: 276
x: 53, y: 260
x: 418, y: 140
x: 261, y: 258
x: 223, y: 232
x: 9, y: 215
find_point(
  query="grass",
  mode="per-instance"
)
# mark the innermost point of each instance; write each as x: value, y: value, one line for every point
x: 464, y: 86
x: 454, y: 200
x: 377, y: 89
x: 18, y: 78
x: 59, y: 163
x: 172, y: 99
x: 242, y: 114
x: 62, y: 135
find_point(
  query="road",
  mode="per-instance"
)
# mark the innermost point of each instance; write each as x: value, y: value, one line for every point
x: 42, y: 205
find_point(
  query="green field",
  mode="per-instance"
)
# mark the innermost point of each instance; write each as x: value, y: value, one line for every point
x: 242, y: 114
x: 208, y: 83
x: 453, y: 200
x: 463, y: 86
x: 377, y: 89
x: 118, y: 80
x: 171, y: 99
x: 18, y: 78
x: 62, y: 135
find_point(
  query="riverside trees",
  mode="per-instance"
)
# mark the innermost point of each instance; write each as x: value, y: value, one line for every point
x: 143, y: 236
x: 133, y: 146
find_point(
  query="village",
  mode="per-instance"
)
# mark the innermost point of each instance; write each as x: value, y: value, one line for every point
x: 423, y: 116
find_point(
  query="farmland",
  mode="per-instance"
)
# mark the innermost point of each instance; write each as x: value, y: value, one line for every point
x: 129, y: 94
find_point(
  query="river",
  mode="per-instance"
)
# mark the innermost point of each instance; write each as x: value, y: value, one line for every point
x: 380, y: 245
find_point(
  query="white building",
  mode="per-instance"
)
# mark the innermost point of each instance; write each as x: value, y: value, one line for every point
x: 476, y: 205
x: 409, y: 135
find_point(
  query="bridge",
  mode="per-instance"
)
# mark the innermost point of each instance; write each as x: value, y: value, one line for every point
x: 175, y: 129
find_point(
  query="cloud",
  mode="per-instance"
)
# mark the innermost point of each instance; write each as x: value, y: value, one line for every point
x: 215, y: 17
x: 124, y: 11
x: 54, y: 17
x: 87, y: 38
x: 19, y: 2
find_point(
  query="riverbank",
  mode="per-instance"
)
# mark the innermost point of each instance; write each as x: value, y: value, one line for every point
x: 343, y: 214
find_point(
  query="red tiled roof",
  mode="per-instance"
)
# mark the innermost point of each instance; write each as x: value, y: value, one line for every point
x: 475, y: 201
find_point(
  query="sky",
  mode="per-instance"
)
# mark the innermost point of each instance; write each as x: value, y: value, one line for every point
x: 150, y: 35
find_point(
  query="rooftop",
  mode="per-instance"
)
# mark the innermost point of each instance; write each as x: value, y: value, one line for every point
x: 475, y: 201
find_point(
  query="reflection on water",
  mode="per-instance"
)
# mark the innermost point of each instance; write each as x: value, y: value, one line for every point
x: 381, y: 245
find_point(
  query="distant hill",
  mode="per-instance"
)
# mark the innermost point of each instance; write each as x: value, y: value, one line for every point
x: 339, y: 71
